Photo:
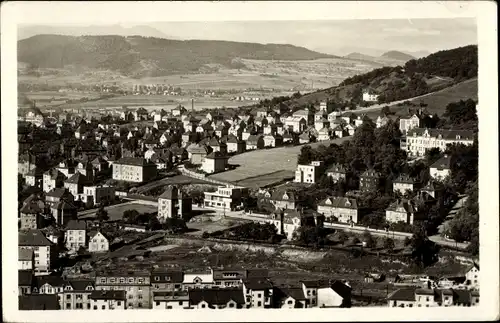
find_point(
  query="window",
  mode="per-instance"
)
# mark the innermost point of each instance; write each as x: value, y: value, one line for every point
x: 104, y: 307
x: 68, y: 296
x: 140, y: 305
x: 290, y: 302
x: 157, y: 303
x: 119, y: 303
x: 202, y: 305
x: 259, y: 303
x: 68, y: 306
x: 95, y: 307
x: 231, y: 305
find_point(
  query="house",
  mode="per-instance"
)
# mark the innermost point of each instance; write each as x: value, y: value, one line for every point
x: 324, y: 134
x: 337, y: 172
x: 197, y: 280
x: 98, y: 242
x: 31, y: 214
x: 401, y: 211
x: 99, y: 164
x: 36, y: 302
x: 338, y: 131
x: 217, y: 146
x: 75, y: 183
x: 472, y: 276
x: 359, y: 120
x: 273, y: 141
x: 216, y: 298
x: 46, y: 250
x: 321, y: 123
x: 342, y: 209
x: 179, y: 110
x: 197, y: 153
x: 307, y: 114
x: 53, y: 179
x: 369, y: 96
x: 25, y: 259
x: 279, y: 199
x: 289, y: 297
x: 309, y: 173
x: 419, y: 140
x: 255, y: 142
x: 76, y: 294
x: 170, y: 300
x: 350, y: 129
x: 214, y: 162
x: 164, y: 280
x: 25, y: 281
x: 173, y: 204
x: 295, y: 124
x: 441, y: 169
x: 76, y: 235
x: 270, y: 129
x: 57, y: 195
x: 369, y: 180
x: 324, y: 293
x: 229, y: 278
x: 136, y: 170
x: 34, y: 177
x: 98, y: 194
x: 288, y: 138
x: 382, y: 121
x: 258, y: 293
x: 226, y: 198
x: 136, y: 285
x: 108, y: 300
x: 63, y: 211
x: 411, y: 297
x: 235, y: 145
x: 140, y: 114
x: 407, y: 123
x: 403, y: 183
x: 305, y: 138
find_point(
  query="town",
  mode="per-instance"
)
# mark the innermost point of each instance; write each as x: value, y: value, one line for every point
x: 75, y: 171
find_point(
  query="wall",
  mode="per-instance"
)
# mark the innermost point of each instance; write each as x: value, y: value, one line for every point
x: 328, y: 297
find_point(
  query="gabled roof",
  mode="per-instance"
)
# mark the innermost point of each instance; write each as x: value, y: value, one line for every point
x: 321, y: 283
x: 108, y: 294
x: 63, y: 205
x: 370, y: 173
x: 442, y: 163
x: 77, y: 178
x: 57, y: 192
x: 172, y: 192
x: 32, y: 207
x: 133, y: 161
x: 404, y: 178
x: 336, y: 168
x: 80, y: 285
x: 404, y: 294
x: 258, y: 283
x: 38, y: 302
x: 405, y: 204
x: 342, y: 289
x: 33, y: 238
x: 279, y: 195
x: 339, y: 202
x: 216, y: 155
x: 76, y: 225
x: 52, y: 280
x: 54, y: 174
x: 167, y: 276
x: 216, y: 296
x: 197, y: 149
x: 444, y: 133
x: 296, y: 293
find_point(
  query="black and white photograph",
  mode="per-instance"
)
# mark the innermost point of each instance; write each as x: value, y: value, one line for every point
x: 233, y: 159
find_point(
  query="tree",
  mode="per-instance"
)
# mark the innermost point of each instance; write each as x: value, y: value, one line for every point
x: 368, y: 239
x: 432, y: 155
x: 131, y: 216
x: 175, y: 225
x: 342, y: 237
x: 424, y: 252
x: 389, y: 244
x: 473, y: 246
x: 102, y: 214
x: 386, y: 110
x: 306, y: 155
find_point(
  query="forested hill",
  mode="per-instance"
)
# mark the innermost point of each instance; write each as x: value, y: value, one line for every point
x: 137, y: 56
x: 416, y: 77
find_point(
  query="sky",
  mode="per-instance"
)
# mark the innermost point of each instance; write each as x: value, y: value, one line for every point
x: 337, y: 37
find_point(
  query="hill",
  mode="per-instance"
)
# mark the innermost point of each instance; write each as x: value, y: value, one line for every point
x: 138, y: 56
x: 360, y: 56
x: 416, y: 77
x: 396, y: 55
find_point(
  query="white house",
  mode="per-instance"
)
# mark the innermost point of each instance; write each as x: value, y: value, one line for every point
x: 441, y: 168
x: 98, y: 242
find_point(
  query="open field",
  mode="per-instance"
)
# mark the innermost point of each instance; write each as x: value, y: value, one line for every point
x: 115, y: 212
x: 262, y: 162
x: 174, y: 180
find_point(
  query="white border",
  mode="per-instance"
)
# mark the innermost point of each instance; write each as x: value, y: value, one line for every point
x: 86, y: 12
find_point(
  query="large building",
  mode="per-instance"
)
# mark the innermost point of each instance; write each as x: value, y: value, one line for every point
x: 173, y: 204
x: 309, y: 173
x: 228, y: 198
x: 407, y: 297
x: 341, y: 209
x: 136, y: 284
x: 136, y: 170
x: 44, y: 250
x: 75, y: 236
x: 419, y: 140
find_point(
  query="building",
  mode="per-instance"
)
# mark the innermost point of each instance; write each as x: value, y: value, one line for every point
x: 63, y: 211
x: 235, y: 145
x: 25, y: 259
x: 309, y: 173
x: 419, y: 140
x: 258, y: 293
x: 108, y: 299
x: 34, y: 177
x: 369, y: 180
x: 75, y: 183
x: 197, y: 153
x: 324, y: 293
x: 227, y: 198
x: 408, y: 122
x: 217, y: 146
x: 441, y: 168
x: 136, y: 284
x: 31, y: 214
x: 336, y: 172
x: 164, y: 280
x: 282, y: 199
x: 76, y: 235
x: 403, y: 183
x: 36, y: 302
x: 273, y: 141
x: 53, y: 179
x: 98, y: 194
x: 255, y: 142
x: 401, y: 211
x: 25, y: 281
x: 197, y: 280
x: 472, y: 276
x: 57, y: 195
x: 170, y: 300
x: 216, y: 298
x: 369, y: 96
x: 341, y: 209
x: 214, y: 162
x: 229, y: 278
x: 44, y: 250
x: 136, y: 170
x: 76, y: 295
x: 173, y: 204
x: 411, y: 297
x: 98, y: 242
x: 289, y: 297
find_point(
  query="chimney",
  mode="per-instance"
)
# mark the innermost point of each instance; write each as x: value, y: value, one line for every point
x: 192, y: 104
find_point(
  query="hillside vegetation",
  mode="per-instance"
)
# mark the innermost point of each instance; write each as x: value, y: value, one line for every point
x: 147, y: 56
x: 416, y: 77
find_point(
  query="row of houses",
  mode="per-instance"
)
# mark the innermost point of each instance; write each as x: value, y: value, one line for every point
x: 171, y: 289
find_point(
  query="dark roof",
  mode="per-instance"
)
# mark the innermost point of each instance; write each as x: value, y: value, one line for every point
x: 404, y: 294
x: 405, y: 204
x: 52, y: 280
x: 25, y: 254
x: 57, y: 192
x: 216, y: 154
x: 404, y: 178
x: 296, y: 293
x: 37, y: 171
x: 25, y: 277
x: 219, y: 274
x: 216, y: 296
x: 38, y: 302
x: 54, y: 173
x: 77, y: 178
x: 108, y: 294
x: 424, y: 291
x: 257, y: 273
x: 336, y: 168
x: 442, y: 163
x: 339, y: 202
x: 33, y: 238
x: 444, y: 133
x: 316, y: 283
x: 133, y: 161
x: 258, y: 283
x: 172, y: 192
x: 197, y: 149
x: 167, y: 276
x: 461, y: 296
x: 80, y: 285
x: 63, y: 205
x: 278, y: 195
x: 370, y: 173
x: 32, y: 207
x: 76, y: 225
